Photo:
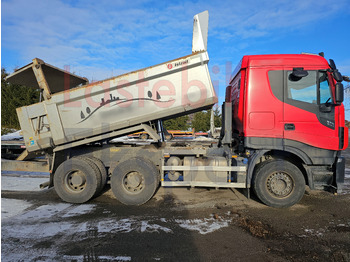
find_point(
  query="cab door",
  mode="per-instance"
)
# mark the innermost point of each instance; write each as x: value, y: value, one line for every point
x: 309, y: 111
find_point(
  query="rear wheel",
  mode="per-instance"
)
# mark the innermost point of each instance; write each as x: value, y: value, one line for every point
x: 77, y: 180
x: 101, y: 167
x: 134, y: 181
x: 278, y: 183
x: 144, y: 136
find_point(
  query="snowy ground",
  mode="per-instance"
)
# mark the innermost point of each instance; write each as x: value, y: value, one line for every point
x: 27, y: 225
x: 219, y: 225
x: 38, y: 226
x: 12, y: 136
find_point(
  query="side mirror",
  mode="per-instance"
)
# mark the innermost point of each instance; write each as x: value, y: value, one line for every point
x: 332, y: 64
x: 337, y: 75
x: 299, y: 72
x: 339, y: 93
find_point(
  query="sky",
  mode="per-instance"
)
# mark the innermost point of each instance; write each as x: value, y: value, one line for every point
x: 101, y: 39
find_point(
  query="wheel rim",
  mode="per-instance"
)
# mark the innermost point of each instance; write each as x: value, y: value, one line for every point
x: 144, y: 137
x: 134, y: 182
x: 280, y: 184
x: 75, y: 181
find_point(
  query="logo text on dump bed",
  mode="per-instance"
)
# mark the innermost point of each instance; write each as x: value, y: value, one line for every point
x: 184, y: 62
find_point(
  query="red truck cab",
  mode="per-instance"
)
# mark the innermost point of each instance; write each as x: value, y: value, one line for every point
x: 290, y: 107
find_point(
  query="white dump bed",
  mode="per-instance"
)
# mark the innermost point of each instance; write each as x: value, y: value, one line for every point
x: 123, y: 104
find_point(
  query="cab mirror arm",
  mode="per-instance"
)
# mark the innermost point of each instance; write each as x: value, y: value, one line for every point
x: 326, y: 108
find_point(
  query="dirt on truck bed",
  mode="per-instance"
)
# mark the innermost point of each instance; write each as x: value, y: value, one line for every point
x: 178, y: 224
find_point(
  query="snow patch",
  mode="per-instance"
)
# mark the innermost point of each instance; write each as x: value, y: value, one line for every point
x: 203, y: 226
x: 15, y: 183
x: 44, y: 212
x: 37, y: 231
x: 150, y: 228
x: 113, y: 226
x: 79, y: 210
x: 128, y: 225
x: 98, y: 258
x: 12, y: 207
x: 347, y: 173
x: 12, y: 136
x: 314, y: 232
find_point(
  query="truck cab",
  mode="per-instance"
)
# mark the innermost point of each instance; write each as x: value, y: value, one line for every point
x: 290, y: 106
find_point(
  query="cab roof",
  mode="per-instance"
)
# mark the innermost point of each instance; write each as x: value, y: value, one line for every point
x: 283, y: 60
x: 295, y: 60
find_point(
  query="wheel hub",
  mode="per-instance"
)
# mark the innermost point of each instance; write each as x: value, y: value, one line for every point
x: 280, y: 184
x: 76, y: 181
x: 134, y: 182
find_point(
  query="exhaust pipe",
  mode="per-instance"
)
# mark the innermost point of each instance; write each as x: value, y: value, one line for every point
x: 43, y: 185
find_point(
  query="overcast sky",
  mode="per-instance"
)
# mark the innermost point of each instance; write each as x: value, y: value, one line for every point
x: 100, y: 39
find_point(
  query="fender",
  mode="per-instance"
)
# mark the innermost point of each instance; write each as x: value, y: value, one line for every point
x: 253, y: 160
x: 299, y: 153
x: 251, y: 164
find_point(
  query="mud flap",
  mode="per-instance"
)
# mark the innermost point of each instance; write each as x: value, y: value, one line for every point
x: 340, y: 174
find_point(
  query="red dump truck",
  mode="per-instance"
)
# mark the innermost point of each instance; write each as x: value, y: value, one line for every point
x: 283, y: 127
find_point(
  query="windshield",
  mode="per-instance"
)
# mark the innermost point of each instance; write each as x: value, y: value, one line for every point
x: 325, y: 94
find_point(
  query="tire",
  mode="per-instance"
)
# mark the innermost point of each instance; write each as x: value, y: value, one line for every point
x: 144, y: 136
x: 278, y: 183
x: 135, y: 181
x: 102, y: 170
x: 93, y: 165
x: 77, y: 180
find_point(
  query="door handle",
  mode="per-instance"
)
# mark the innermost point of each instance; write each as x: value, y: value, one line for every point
x: 289, y: 127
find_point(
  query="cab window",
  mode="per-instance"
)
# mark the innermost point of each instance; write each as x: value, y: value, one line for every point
x: 305, y: 89
x: 325, y: 92
x: 302, y: 88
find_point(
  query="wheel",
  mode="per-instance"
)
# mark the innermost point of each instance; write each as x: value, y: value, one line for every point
x: 96, y: 166
x: 134, y: 181
x: 144, y: 136
x: 102, y: 170
x: 77, y: 180
x: 278, y: 183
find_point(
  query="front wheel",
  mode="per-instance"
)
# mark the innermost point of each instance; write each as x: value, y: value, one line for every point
x: 278, y: 183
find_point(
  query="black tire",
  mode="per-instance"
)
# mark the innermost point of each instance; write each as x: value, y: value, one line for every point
x: 134, y: 181
x: 278, y: 183
x: 102, y: 170
x: 77, y: 180
x: 96, y: 169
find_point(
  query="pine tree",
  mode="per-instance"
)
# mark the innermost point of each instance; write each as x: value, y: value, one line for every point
x: 201, y: 120
x: 178, y: 123
x: 12, y: 97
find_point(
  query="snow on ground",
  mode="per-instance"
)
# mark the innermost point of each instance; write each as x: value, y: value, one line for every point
x: 106, y: 258
x: 346, y: 187
x: 12, y: 207
x: 203, y: 226
x: 12, y: 136
x: 25, y: 223
x: 347, y: 172
x: 21, y: 183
